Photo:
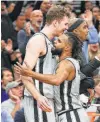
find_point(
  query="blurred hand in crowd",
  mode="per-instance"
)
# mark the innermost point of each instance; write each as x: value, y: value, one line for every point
x: 9, y: 46
x: 19, y: 56
x: 28, y: 28
x: 88, y: 16
x: 3, y: 44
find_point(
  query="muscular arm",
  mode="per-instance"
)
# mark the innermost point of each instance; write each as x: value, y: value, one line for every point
x: 34, y: 48
x: 65, y: 71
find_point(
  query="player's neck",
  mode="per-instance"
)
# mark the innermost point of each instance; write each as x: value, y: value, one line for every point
x: 49, y: 32
x: 63, y: 56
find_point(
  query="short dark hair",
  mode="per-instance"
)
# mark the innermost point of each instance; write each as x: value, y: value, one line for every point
x: 3, y: 69
x: 56, y: 12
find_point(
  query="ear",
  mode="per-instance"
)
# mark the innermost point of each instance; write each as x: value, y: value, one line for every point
x: 55, y: 23
x: 77, y: 32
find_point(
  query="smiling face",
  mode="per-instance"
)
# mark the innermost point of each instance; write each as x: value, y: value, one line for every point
x: 82, y: 31
x: 7, y: 77
x: 61, y: 26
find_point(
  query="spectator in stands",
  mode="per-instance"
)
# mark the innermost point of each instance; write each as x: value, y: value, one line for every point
x: 11, y: 7
x: 6, y: 50
x: 18, y: 25
x: 28, y: 10
x: 92, y: 35
x: 44, y: 6
x: 7, y: 19
x: 9, y: 56
x: 14, y: 103
x: 6, y: 76
x: 96, y: 14
x: 31, y: 27
x: 88, y: 5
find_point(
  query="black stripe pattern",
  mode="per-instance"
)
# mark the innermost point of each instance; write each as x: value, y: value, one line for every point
x: 41, y: 86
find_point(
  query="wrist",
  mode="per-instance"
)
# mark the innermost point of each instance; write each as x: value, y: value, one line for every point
x: 90, y: 24
x: 37, y: 97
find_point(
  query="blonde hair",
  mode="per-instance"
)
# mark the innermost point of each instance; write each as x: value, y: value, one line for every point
x: 56, y: 12
x: 96, y: 79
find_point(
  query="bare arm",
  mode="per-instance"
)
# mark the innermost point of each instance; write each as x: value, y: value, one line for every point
x: 35, y: 48
x: 65, y: 71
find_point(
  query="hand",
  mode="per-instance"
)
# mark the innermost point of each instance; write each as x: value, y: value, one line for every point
x: 9, y: 46
x: 88, y: 17
x: 13, y: 97
x: 21, y: 70
x: 27, y: 28
x: 3, y: 44
x: 43, y: 103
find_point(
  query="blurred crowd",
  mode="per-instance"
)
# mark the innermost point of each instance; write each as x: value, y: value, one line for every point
x: 19, y: 21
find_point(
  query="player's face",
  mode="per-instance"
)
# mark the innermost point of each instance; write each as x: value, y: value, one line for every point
x: 62, y: 26
x: 59, y: 45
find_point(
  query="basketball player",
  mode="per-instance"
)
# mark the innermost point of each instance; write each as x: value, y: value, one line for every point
x: 66, y: 80
x: 38, y: 55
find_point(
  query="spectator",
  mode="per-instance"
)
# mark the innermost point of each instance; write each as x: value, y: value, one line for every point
x: 11, y: 7
x: 34, y: 26
x: 14, y: 103
x: 44, y: 6
x: 6, y: 77
x: 18, y: 25
x: 7, y: 29
x: 88, y: 5
x: 9, y: 56
x: 96, y: 14
x: 28, y: 10
x: 6, y: 50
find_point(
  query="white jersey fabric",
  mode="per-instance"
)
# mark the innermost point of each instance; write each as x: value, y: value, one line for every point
x: 45, y: 65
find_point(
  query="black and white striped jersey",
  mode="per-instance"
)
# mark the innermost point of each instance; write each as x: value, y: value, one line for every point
x: 67, y: 93
x: 45, y: 65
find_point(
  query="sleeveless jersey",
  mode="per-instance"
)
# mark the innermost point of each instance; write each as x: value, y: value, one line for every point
x: 45, y: 65
x: 67, y: 93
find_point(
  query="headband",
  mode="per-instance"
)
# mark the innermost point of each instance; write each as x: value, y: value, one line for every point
x: 75, y: 25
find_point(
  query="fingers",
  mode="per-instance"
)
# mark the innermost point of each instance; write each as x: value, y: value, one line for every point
x: 19, y: 65
x: 44, y: 105
x: 17, y: 69
x: 45, y: 109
